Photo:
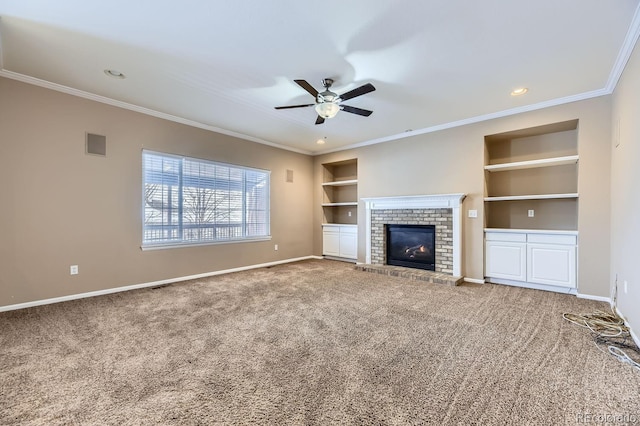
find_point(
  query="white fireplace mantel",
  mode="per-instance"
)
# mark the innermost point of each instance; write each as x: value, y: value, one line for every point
x: 439, y: 201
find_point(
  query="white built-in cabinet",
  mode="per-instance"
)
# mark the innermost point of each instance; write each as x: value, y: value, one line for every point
x: 551, y: 259
x: 531, y: 256
x: 506, y: 256
x: 340, y: 209
x: 531, y: 206
x: 340, y: 241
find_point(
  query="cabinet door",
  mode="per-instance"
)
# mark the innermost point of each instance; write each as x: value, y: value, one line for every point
x: 551, y: 264
x: 330, y: 243
x: 348, y: 245
x: 506, y: 260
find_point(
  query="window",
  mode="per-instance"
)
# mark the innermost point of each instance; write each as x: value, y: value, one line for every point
x: 190, y: 201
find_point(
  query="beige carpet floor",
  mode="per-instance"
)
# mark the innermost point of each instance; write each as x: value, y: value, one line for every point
x: 308, y: 343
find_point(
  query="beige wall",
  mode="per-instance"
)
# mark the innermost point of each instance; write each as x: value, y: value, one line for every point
x: 451, y: 161
x: 625, y: 191
x: 60, y: 207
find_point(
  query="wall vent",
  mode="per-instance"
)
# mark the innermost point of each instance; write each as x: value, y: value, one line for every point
x: 96, y: 144
x: 289, y: 175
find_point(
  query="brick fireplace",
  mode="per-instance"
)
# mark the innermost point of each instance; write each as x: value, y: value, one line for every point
x: 442, y: 211
x: 440, y: 218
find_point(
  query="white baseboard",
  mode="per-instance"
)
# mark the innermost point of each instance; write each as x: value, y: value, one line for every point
x: 340, y: 259
x: 633, y: 335
x: 533, y: 286
x: 592, y: 297
x: 145, y: 285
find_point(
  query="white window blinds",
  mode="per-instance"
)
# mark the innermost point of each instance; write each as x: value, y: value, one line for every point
x: 193, y: 201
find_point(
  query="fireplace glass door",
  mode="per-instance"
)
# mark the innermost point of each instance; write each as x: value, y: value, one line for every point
x: 411, y: 246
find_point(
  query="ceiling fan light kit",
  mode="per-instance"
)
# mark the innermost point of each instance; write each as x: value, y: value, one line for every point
x: 327, y: 109
x: 328, y: 103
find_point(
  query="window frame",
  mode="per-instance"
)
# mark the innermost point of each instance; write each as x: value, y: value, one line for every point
x: 178, y: 243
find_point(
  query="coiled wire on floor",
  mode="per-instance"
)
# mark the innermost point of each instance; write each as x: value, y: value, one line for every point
x: 609, y: 331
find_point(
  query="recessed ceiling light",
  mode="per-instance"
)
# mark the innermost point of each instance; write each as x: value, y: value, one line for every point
x: 114, y: 73
x: 321, y: 141
x: 519, y: 91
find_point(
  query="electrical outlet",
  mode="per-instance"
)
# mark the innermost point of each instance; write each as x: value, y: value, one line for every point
x: 275, y: 247
x: 531, y: 213
x: 73, y: 270
x: 349, y: 214
x: 473, y: 213
x: 625, y: 286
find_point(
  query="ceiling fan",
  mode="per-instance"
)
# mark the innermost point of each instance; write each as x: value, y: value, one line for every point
x: 328, y: 103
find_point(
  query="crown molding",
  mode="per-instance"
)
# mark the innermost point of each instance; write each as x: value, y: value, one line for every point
x: 625, y: 52
x: 476, y: 119
x: 147, y: 111
x: 444, y: 126
x: 1, y: 55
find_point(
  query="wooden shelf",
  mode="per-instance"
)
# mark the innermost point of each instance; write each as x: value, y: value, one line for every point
x: 341, y: 183
x: 532, y: 197
x: 354, y: 203
x: 544, y: 162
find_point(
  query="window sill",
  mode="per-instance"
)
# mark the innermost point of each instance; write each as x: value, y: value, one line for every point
x: 172, y: 245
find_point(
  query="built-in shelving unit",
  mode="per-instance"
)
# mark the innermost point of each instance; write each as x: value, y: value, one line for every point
x: 340, y: 210
x: 531, y: 207
x: 340, y: 192
x: 531, y: 178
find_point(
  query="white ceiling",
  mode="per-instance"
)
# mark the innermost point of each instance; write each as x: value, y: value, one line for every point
x: 225, y: 65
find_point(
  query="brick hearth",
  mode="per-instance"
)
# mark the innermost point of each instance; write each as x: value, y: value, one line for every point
x: 411, y: 273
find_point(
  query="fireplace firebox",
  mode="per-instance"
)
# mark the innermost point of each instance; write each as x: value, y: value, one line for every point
x: 411, y: 246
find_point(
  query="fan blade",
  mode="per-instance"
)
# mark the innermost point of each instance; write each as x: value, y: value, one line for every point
x: 358, y: 91
x: 354, y: 110
x: 306, y: 86
x: 319, y: 120
x: 294, y: 106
